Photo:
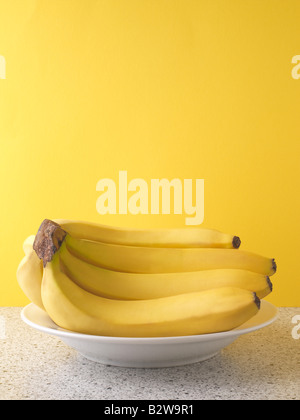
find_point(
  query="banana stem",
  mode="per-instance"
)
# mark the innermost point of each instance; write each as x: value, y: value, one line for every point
x: 48, y: 240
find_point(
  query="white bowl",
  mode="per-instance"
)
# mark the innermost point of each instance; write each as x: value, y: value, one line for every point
x: 147, y: 352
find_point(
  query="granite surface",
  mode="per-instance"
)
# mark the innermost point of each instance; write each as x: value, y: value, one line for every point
x: 261, y: 365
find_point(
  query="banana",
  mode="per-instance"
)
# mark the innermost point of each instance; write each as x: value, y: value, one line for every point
x: 30, y: 275
x: 28, y: 244
x: 134, y: 259
x: 148, y: 259
x: 75, y: 309
x: 123, y: 285
x: 168, y: 238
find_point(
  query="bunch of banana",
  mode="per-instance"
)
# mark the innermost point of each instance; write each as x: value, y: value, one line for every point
x: 101, y: 280
x: 30, y: 273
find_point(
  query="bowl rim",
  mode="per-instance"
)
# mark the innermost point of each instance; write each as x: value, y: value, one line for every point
x: 66, y: 334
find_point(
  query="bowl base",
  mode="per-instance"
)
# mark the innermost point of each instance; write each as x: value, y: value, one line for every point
x: 148, y: 364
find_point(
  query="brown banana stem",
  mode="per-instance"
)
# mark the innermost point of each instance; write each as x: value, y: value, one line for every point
x: 48, y: 240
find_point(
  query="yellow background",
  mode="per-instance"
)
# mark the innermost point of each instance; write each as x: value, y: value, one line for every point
x: 160, y: 88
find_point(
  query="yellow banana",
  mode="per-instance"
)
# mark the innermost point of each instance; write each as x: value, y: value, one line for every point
x: 75, y: 309
x: 123, y: 285
x: 29, y: 276
x: 168, y: 238
x: 167, y: 260
x: 28, y: 244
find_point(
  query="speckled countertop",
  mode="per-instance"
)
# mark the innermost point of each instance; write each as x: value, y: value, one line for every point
x: 261, y: 365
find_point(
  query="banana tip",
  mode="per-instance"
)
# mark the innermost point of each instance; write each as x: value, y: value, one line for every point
x: 236, y: 242
x: 274, y: 265
x: 256, y: 300
x: 270, y: 284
